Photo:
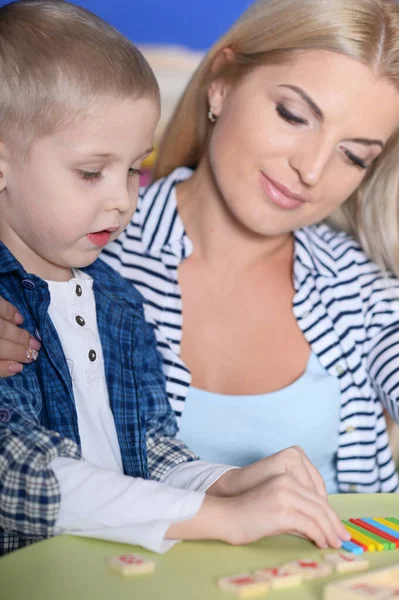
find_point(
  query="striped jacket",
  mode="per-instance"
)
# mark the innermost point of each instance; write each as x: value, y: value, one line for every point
x: 346, y: 308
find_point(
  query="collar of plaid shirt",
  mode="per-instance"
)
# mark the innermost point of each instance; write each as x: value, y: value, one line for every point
x: 125, y: 347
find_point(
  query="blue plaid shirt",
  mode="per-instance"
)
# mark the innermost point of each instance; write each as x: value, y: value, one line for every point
x: 38, y: 420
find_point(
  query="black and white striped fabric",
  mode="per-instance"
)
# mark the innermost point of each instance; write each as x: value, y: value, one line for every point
x: 346, y: 308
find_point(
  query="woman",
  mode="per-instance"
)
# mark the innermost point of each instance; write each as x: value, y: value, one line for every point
x: 290, y: 332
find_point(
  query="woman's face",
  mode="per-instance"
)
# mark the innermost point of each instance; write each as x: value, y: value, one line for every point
x: 293, y: 141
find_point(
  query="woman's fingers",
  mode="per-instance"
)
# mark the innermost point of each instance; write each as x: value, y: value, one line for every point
x: 8, y: 312
x: 7, y: 368
x: 17, y: 346
x: 18, y: 353
x: 11, y: 333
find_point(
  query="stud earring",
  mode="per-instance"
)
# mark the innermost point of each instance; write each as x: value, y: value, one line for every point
x: 211, y: 116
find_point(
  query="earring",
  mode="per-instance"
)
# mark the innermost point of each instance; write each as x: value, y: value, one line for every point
x: 211, y: 116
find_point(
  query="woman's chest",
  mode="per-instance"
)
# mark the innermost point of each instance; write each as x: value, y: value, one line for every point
x: 241, y: 338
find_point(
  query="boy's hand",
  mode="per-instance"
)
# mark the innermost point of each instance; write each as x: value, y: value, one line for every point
x: 280, y: 505
x: 292, y: 460
x: 16, y: 344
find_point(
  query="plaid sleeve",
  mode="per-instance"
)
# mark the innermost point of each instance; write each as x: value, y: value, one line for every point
x: 29, y: 490
x: 163, y: 450
x: 164, y: 453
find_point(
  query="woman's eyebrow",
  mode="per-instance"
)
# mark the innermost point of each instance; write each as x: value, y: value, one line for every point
x: 316, y: 110
x: 367, y: 142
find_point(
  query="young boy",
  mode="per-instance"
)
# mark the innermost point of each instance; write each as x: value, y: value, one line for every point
x: 85, y: 426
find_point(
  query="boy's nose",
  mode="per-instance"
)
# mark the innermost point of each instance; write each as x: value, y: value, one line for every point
x: 122, y: 202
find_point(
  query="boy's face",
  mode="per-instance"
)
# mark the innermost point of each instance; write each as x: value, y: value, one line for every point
x: 78, y: 189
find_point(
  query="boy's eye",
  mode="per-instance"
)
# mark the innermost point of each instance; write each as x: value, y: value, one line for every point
x: 135, y: 172
x: 288, y: 116
x: 355, y: 160
x: 90, y: 175
x: 93, y: 175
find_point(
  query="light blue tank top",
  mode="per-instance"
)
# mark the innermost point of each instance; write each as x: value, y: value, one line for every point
x: 238, y: 430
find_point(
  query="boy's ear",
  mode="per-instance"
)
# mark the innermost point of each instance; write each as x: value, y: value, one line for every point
x: 3, y: 166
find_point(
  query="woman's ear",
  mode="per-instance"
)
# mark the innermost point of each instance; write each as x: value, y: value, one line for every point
x: 219, y: 88
x: 216, y: 95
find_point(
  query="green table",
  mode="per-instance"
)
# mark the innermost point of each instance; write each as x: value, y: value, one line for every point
x: 72, y: 568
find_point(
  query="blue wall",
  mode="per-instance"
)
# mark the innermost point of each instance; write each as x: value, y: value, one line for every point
x: 192, y: 23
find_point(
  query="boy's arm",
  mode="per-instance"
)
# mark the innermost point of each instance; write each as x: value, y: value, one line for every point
x: 29, y: 490
x: 164, y: 451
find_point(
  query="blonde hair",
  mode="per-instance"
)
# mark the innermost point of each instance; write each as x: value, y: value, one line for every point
x: 55, y: 60
x: 365, y: 30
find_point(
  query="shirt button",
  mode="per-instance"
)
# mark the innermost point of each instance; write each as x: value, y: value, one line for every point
x: 92, y: 355
x: 78, y: 290
x: 339, y: 370
x: 350, y: 429
x: 80, y: 321
x: 28, y: 284
x: 5, y: 415
x: 353, y: 487
x: 306, y: 314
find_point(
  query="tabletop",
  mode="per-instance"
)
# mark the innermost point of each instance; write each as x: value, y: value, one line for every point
x: 73, y: 568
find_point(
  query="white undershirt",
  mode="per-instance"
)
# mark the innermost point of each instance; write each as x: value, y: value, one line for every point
x: 98, y: 500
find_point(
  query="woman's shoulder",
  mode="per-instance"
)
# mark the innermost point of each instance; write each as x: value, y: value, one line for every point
x: 339, y: 253
x: 156, y: 206
x: 347, y: 270
x: 158, y: 193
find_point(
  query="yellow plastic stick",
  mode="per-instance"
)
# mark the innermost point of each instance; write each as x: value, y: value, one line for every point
x: 360, y: 537
x: 387, y: 523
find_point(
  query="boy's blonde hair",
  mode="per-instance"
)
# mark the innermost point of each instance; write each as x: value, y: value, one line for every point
x: 365, y: 30
x: 55, y: 60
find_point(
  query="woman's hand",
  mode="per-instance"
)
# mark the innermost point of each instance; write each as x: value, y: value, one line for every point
x: 17, y: 346
x: 292, y: 461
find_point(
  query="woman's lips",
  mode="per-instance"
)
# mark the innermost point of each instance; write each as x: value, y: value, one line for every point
x: 278, y: 196
x: 100, y: 238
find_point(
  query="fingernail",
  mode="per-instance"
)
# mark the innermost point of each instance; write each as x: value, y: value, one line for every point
x: 35, y: 344
x: 15, y: 368
x: 18, y: 318
x: 32, y: 354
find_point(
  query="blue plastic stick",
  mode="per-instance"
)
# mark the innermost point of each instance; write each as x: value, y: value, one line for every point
x: 383, y: 528
x: 351, y: 547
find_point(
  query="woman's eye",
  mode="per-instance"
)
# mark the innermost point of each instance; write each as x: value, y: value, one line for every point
x: 90, y: 175
x: 355, y: 160
x: 288, y: 116
x: 135, y: 172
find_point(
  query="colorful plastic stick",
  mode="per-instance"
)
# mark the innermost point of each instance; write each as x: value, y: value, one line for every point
x: 376, y: 533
